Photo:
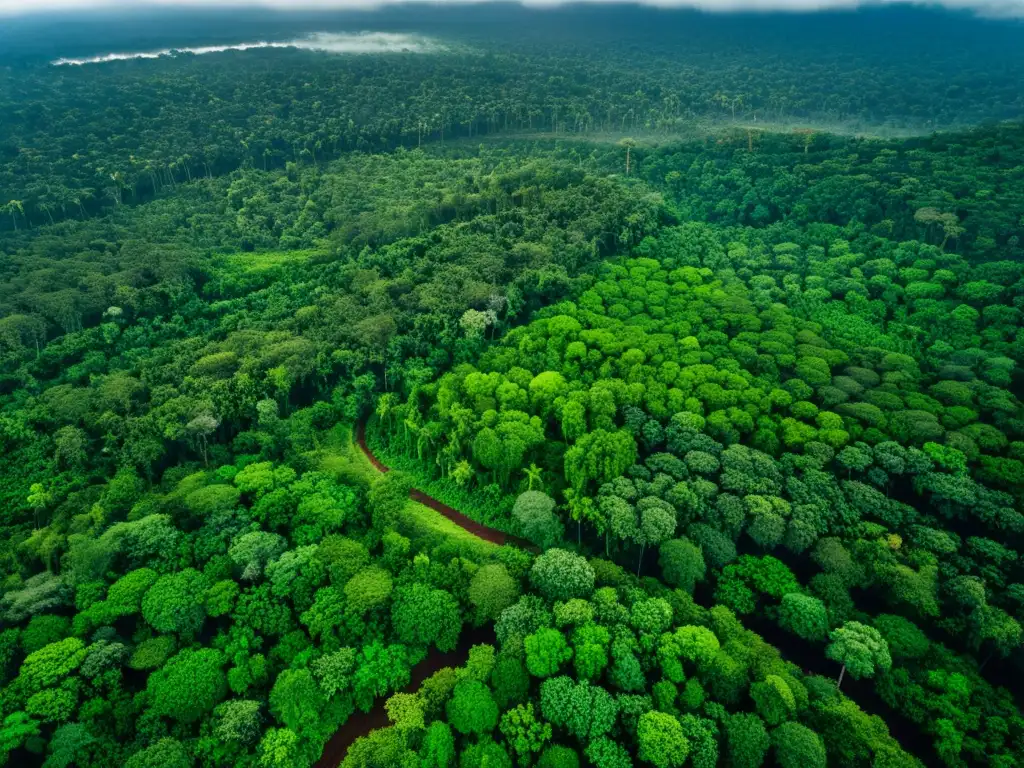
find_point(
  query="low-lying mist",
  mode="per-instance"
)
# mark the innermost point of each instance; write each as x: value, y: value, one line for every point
x: 326, y: 42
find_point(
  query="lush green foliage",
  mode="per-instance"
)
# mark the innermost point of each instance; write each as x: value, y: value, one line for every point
x: 787, y: 363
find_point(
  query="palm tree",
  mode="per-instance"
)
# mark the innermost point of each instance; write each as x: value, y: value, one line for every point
x: 117, y: 191
x: 47, y: 206
x: 448, y: 457
x: 385, y: 408
x: 88, y: 193
x: 411, y: 423
x: 628, y: 144
x: 64, y: 197
x: 424, y: 441
x: 533, y: 474
x: 737, y: 101
x: 11, y: 207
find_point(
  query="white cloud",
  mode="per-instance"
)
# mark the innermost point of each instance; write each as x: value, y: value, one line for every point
x: 20, y: 7
x: 326, y: 42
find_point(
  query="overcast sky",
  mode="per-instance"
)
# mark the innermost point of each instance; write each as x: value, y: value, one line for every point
x: 17, y: 7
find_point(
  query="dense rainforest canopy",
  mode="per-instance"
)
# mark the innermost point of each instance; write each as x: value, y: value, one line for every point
x: 741, y: 385
x: 78, y: 139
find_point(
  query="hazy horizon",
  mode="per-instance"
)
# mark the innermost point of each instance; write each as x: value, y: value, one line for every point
x: 42, y: 8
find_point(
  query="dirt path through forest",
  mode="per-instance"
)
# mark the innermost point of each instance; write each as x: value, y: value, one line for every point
x: 905, y: 732
x: 467, y: 524
x: 361, y: 723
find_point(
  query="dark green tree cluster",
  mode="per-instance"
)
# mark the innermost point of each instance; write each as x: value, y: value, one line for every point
x: 957, y: 191
x: 229, y: 616
x: 597, y: 667
x: 693, y: 396
x: 187, y: 117
x: 233, y: 353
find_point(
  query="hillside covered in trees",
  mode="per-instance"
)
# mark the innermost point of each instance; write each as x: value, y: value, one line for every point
x: 740, y: 394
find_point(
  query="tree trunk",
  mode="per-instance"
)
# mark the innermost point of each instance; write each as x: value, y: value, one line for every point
x: 640, y: 562
x: 841, y: 673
